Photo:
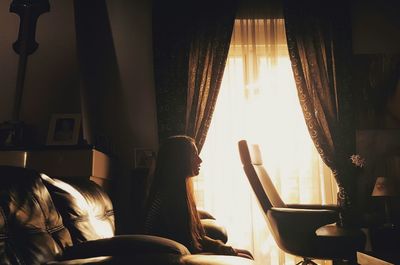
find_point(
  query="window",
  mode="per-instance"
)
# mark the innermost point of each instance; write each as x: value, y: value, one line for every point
x: 258, y: 102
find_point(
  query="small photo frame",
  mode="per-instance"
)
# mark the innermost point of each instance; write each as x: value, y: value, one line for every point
x: 143, y: 157
x: 64, y: 129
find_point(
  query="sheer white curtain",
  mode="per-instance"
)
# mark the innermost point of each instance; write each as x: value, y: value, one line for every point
x: 258, y: 102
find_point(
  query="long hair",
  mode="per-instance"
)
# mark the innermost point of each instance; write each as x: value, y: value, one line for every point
x: 172, y: 171
x: 174, y: 159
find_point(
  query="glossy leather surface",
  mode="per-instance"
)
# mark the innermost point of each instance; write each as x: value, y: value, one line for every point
x: 86, y: 209
x: 47, y: 221
x: 31, y: 229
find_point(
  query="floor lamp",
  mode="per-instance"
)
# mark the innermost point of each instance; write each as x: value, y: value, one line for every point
x: 12, y: 132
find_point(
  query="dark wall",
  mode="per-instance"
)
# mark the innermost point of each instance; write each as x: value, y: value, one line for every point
x: 376, y: 26
x: 53, y: 79
x: 376, y: 68
x: 52, y: 83
x: 376, y: 81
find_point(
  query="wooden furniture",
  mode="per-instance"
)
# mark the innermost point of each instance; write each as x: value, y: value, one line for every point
x: 64, y: 163
x: 375, y: 258
x: 385, y: 246
x: 15, y: 158
x: 385, y: 238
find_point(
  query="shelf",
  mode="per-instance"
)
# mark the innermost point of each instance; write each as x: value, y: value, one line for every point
x: 63, y: 163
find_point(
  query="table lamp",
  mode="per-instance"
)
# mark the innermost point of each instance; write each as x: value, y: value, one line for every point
x: 385, y: 187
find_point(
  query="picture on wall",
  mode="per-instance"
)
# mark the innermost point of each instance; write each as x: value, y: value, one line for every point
x: 64, y: 129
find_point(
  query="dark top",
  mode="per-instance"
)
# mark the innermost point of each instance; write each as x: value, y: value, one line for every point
x: 167, y: 216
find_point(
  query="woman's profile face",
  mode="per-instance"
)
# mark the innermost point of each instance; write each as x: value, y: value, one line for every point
x: 195, y: 162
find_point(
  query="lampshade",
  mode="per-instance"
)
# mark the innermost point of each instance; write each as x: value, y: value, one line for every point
x: 384, y: 187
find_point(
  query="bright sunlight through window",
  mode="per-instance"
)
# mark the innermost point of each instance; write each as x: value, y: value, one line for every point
x: 258, y: 102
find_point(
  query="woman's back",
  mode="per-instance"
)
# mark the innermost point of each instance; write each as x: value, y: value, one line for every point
x: 171, y: 209
x: 167, y: 216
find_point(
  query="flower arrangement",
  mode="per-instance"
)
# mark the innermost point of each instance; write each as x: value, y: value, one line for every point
x: 357, y: 160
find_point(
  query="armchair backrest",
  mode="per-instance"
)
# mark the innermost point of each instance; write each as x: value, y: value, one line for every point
x: 261, y: 183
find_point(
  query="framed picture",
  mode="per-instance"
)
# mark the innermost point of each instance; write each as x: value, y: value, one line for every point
x: 143, y: 157
x: 64, y: 129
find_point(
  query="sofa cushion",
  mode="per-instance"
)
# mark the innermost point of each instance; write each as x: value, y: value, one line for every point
x: 86, y: 209
x: 31, y: 229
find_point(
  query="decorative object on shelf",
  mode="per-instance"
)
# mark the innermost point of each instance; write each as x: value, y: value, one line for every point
x: 385, y: 187
x: 64, y: 129
x: 12, y: 134
x: 29, y: 12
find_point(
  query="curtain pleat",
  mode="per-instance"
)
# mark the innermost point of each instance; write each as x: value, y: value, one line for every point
x: 319, y: 42
x: 207, y: 58
x: 191, y: 43
x: 171, y: 46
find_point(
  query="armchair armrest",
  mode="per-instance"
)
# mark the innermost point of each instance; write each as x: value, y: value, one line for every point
x: 125, y: 245
x: 288, y: 220
x: 332, y: 207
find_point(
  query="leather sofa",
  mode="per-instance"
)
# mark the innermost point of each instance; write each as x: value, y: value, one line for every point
x: 48, y: 221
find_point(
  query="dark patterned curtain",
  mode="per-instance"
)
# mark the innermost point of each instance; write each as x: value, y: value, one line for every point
x: 319, y: 41
x: 191, y: 43
x: 171, y: 52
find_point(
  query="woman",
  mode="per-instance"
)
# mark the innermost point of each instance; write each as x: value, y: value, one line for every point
x: 171, y: 208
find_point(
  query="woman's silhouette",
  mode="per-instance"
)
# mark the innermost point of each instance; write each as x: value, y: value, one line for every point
x: 171, y: 208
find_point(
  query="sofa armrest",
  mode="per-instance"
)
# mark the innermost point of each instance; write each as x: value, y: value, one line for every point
x: 214, y: 230
x: 91, y: 261
x: 135, y: 258
x: 203, y: 214
x: 164, y: 259
x: 211, y: 226
x: 124, y: 245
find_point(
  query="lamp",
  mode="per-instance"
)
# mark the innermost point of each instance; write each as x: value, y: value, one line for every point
x: 385, y: 187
